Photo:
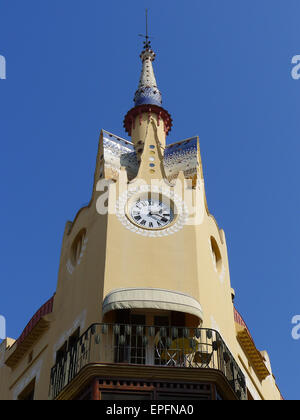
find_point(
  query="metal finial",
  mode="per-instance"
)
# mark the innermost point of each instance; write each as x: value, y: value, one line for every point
x: 147, y: 37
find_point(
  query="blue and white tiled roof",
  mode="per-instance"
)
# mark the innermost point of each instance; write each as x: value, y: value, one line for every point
x: 180, y: 156
x: 148, y: 92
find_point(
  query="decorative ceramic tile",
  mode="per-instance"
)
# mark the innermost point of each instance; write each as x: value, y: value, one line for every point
x: 181, y: 156
x: 118, y: 152
x: 148, y: 92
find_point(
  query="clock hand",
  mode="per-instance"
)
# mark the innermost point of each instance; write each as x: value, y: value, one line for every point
x: 159, y: 213
x: 153, y: 216
x: 161, y: 216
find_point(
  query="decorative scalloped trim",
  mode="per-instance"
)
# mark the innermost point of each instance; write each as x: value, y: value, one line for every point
x: 182, y: 217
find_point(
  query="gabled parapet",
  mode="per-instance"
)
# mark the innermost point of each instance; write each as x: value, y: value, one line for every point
x: 118, y: 152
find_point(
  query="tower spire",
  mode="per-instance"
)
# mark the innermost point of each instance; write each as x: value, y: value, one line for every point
x: 147, y: 98
x: 147, y: 92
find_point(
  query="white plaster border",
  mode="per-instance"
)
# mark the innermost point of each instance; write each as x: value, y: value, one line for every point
x: 69, y: 266
x: 34, y: 373
x: 182, y: 217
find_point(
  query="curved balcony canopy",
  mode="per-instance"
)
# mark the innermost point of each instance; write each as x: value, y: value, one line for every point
x: 150, y: 298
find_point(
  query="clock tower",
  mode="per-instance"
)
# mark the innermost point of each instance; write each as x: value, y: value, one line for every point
x: 144, y: 307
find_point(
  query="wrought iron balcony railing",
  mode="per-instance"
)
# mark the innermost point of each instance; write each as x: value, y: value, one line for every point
x: 148, y: 345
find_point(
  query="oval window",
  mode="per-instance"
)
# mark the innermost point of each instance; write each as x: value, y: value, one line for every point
x: 77, y: 246
x: 216, y: 254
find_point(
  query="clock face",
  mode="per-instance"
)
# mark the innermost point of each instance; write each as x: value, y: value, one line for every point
x: 151, y: 213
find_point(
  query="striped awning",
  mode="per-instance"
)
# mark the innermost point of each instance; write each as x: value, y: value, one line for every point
x: 150, y: 298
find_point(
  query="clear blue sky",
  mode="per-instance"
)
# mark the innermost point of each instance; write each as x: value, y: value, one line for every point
x: 224, y: 71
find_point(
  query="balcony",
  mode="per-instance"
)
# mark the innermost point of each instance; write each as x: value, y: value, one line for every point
x: 192, y: 349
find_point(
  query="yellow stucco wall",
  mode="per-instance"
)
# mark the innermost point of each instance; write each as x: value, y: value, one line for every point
x: 115, y: 257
